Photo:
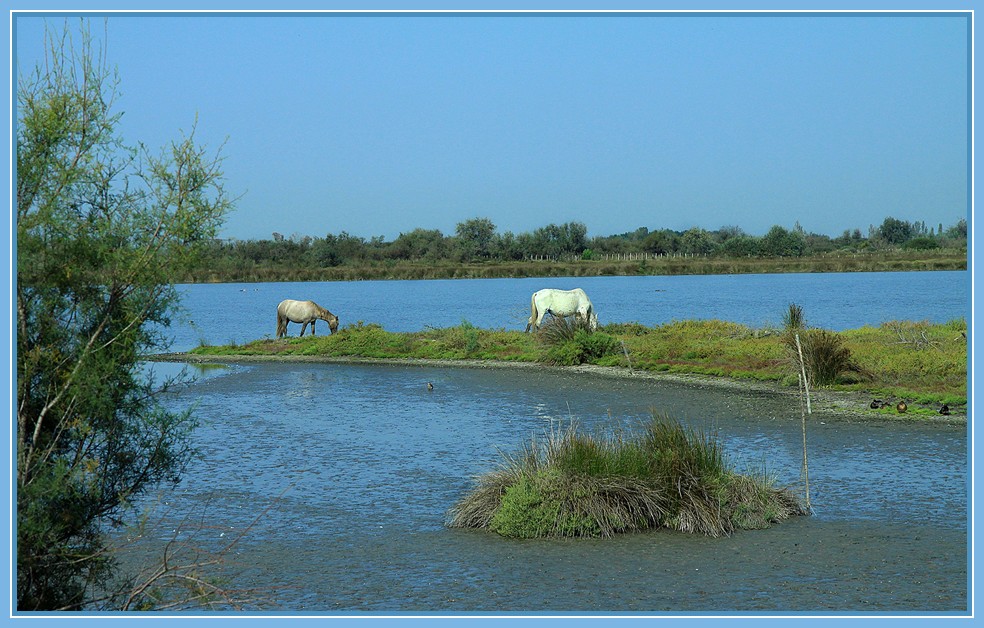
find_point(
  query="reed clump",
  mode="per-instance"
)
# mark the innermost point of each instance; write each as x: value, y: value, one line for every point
x: 570, y: 341
x: 825, y: 356
x: 572, y: 484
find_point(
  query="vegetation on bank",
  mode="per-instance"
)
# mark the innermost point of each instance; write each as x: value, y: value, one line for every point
x: 629, y: 264
x: 477, y: 249
x: 923, y: 363
x: 573, y: 484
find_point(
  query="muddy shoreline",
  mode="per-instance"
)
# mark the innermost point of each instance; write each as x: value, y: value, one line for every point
x: 852, y: 405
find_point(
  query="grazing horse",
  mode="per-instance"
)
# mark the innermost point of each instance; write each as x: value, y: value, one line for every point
x: 561, y: 303
x: 304, y: 312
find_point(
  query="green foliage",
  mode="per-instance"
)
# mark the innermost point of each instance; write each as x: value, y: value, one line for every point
x: 922, y: 244
x: 570, y: 341
x: 527, y: 510
x: 470, y: 332
x: 895, y: 231
x: 102, y: 230
x: 780, y: 242
x: 474, y: 238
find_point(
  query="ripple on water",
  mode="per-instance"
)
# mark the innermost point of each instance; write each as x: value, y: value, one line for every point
x: 357, y: 466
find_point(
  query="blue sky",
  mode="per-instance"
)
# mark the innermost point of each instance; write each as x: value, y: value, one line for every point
x: 379, y: 125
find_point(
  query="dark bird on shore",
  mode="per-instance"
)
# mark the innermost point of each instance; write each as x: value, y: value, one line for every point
x: 875, y: 404
x: 901, y: 407
x: 944, y: 409
x: 430, y: 386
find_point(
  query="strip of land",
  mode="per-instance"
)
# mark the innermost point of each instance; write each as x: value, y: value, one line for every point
x: 921, y: 365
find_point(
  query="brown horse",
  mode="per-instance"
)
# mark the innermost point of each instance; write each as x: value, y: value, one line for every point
x: 304, y: 312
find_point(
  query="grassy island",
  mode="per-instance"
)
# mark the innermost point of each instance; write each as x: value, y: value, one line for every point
x: 576, y: 485
x: 922, y: 364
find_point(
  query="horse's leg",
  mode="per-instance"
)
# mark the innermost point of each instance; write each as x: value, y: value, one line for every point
x: 312, y: 326
x: 303, y: 327
x: 529, y: 321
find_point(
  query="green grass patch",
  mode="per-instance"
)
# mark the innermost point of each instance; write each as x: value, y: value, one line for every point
x: 918, y: 361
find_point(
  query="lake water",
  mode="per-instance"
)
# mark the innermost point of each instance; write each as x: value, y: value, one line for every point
x: 224, y: 313
x: 358, y: 465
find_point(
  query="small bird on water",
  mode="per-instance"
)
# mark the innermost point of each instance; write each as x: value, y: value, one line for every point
x: 430, y: 386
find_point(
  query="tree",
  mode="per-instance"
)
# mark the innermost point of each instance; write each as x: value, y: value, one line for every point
x: 102, y: 228
x: 662, y: 242
x: 741, y: 246
x: 555, y: 241
x: 697, y: 241
x: 895, y: 231
x: 779, y: 242
x: 957, y: 231
x: 475, y: 238
x: 417, y: 244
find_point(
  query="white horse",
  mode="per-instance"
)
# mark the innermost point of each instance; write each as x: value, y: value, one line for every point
x: 290, y: 311
x: 561, y: 303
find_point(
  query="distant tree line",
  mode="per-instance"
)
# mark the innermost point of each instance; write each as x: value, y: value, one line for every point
x: 478, y: 239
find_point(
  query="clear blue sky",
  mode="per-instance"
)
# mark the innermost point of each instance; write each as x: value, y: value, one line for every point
x: 379, y: 125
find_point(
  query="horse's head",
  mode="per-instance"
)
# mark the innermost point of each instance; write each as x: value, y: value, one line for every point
x: 332, y: 321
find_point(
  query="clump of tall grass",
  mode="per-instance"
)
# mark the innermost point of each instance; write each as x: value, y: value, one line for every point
x: 825, y: 356
x: 793, y: 319
x: 570, y: 341
x: 561, y: 329
x: 572, y: 484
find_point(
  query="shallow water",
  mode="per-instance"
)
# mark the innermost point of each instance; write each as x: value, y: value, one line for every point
x: 367, y: 461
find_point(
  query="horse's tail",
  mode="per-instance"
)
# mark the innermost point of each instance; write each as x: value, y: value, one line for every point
x: 533, y: 313
x: 281, y: 324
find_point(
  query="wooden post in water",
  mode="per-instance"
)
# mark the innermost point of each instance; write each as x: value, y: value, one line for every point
x: 805, y: 386
x: 626, y: 352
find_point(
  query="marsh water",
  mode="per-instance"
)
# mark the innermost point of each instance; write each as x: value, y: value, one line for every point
x: 224, y: 313
x: 339, y: 477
